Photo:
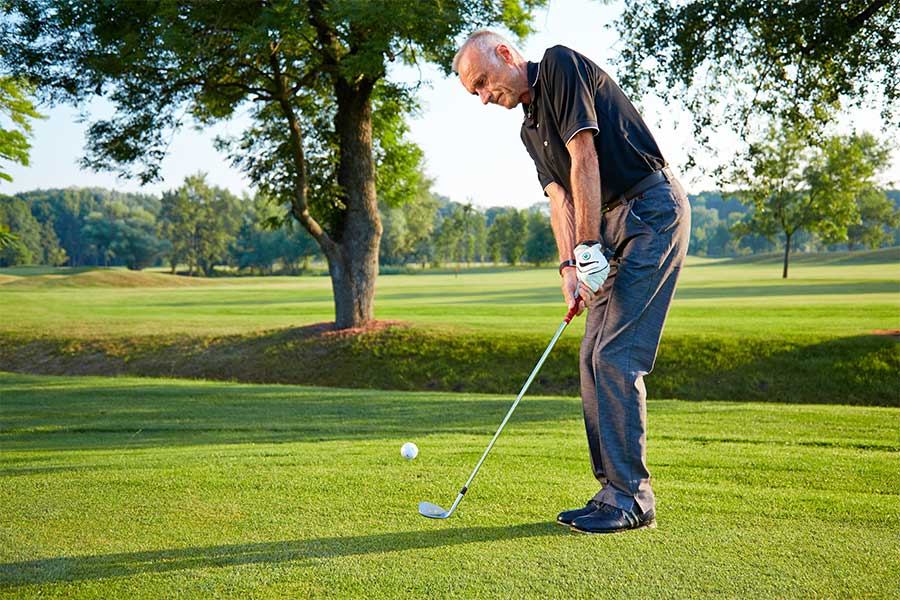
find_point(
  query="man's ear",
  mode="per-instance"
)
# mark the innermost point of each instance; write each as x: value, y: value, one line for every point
x: 504, y: 53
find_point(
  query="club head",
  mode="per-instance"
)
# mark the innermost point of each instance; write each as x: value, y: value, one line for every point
x: 432, y: 511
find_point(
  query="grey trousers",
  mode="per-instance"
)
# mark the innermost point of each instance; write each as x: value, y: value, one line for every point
x: 645, y: 241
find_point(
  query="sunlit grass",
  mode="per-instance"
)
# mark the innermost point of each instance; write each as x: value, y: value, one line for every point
x: 141, y: 488
x: 714, y: 298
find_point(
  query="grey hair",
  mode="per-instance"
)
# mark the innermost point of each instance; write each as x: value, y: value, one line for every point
x: 485, y: 41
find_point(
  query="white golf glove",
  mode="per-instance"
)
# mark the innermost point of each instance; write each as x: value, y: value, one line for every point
x: 591, y: 266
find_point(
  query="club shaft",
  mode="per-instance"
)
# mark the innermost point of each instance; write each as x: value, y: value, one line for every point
x: 534, y: 372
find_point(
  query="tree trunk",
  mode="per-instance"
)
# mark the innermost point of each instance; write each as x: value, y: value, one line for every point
x: 787, y: 253
x: 355, y: 268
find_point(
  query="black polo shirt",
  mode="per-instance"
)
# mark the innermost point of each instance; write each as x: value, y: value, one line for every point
x: 570, y: 93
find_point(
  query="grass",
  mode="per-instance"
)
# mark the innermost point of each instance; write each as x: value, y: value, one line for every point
x: 858, y: 370
x: 140, y: 488
x: 736, y: 330
x: 716, y: 298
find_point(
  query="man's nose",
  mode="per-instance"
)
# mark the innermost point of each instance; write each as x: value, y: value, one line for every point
x: 484, y: 95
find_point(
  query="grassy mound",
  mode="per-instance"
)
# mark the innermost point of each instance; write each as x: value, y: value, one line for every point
x: 135, y: 488
x: 888, y: 256
x: 859, y: 370
x: 735, y: 331
x: 107, y: 278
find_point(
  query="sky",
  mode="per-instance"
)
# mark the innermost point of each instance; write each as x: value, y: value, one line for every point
x: 473, y: 152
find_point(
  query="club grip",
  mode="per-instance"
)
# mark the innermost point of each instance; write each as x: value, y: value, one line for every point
x: 571, y: 314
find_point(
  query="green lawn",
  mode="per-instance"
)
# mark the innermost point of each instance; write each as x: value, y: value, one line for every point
x: 140, y: 488
x: 715, y: 298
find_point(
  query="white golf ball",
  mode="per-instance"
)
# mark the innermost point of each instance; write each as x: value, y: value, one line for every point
x: 409, y: 451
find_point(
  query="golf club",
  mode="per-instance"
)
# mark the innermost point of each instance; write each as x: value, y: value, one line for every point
x: 433, y: 511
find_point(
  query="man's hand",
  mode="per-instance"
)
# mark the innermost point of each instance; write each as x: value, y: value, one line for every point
x: 570, y: 287
x: 592, y: 267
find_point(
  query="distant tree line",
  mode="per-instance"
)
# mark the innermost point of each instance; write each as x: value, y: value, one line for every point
x: 436, y: 230
x: 199, y: 227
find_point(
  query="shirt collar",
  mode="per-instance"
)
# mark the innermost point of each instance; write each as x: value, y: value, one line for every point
x: 534, y: 70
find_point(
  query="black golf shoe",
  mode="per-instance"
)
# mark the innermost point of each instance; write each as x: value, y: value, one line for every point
x: 567, y: 516
x: 610, y: 519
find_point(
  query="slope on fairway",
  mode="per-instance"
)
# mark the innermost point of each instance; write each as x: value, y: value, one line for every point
x: 140, y: 488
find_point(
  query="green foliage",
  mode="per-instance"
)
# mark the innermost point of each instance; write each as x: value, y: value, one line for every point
x: 17, y: 108
x: 734, y: 62
x: 200, y: 222
x: 30, y: 240
x: 794, y: 186
x: 125, y: 234
x: 878, y: 217
x: 259, y: 248
x: 540, y: 245
x: 67, y: 211
x: 507, y: 236
x: 24, y: 247
x: 461, y: 234
x: 326, y: 123
x: 6, y: 238
x: 263, y: 55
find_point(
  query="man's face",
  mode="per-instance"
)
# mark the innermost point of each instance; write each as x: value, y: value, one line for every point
x: 493, y: 80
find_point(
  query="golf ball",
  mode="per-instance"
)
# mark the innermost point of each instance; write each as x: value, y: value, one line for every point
x: 409, y: 451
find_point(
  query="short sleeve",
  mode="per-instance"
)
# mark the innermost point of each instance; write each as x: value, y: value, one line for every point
x: 570, y: 83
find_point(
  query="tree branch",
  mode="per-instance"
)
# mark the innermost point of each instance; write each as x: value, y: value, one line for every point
x: 299, y: 206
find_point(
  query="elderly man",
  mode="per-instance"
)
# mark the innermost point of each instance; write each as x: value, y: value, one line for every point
x: 622, y: 225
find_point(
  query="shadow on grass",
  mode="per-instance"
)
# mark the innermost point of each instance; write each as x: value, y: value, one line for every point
x: 858, y: 370
x: 395, y: 356
x: 81, y: 568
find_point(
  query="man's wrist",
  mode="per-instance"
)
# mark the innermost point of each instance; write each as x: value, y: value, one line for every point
x: 565, y: 265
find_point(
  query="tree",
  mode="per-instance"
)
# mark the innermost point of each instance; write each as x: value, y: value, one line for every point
x: 419, y: 215
x: 793, y: 186
x: 261, y: 243
x: 201, y: 223
x: 24, y: 240
x: 794, y: 61
x: 124, y: 235
x: 450, y: 235
x: 7, y: 238
x: 256, y: 248
x: 67, y: 211
x: 315, y: 73
x: 877, y: 215
x: 507, y: 236
x: 15, y: 106
x: 53, y: 254
x: 540, y: 245
x: 29, y: 239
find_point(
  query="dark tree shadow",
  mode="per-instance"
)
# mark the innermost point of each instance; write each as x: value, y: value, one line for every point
x: 81, y: 568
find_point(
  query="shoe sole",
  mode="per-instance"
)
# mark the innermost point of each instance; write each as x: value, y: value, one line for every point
x: 648, y: 525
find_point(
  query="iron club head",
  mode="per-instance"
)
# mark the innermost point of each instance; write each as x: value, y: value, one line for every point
x: 432, y: 511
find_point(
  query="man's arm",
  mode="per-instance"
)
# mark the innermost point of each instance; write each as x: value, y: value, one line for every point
x: 585, y: 183
x: 562, y: 220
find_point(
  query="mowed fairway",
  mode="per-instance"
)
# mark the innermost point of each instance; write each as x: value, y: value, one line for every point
x: 139, y: 488
x: 715, y: 298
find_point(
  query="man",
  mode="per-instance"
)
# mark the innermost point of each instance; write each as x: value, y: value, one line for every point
x: 622, y: 225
